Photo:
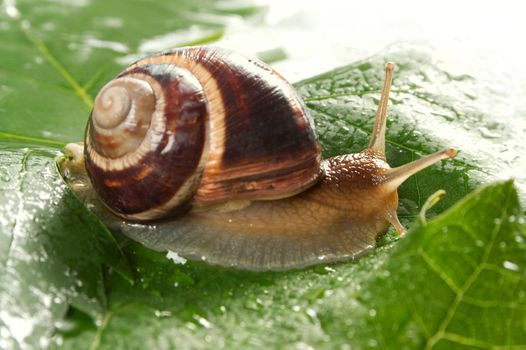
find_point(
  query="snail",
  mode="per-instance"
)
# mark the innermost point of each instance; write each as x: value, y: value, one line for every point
x: 212, y: 155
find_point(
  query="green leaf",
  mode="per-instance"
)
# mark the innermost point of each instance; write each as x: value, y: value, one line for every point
x: 51, y: 249
x: 457, y: 282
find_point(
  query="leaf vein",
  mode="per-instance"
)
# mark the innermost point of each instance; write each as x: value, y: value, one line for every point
x: 16, y: 137
x: 441, y: 331
x: 441, y: 273
x: 505, y: 272
x: 466, y: 340
x: 493, y: 303
x: 55, y: 63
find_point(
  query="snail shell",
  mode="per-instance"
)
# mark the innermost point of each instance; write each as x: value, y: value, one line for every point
x: 195, y: 127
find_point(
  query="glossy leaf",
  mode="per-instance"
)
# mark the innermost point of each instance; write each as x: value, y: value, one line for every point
x: 455, y: 282
x: 51, y: 249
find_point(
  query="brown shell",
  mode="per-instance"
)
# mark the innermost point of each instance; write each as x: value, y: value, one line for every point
x: 245, y: 134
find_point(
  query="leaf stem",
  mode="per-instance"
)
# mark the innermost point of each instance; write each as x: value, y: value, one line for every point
x: 95, y: 344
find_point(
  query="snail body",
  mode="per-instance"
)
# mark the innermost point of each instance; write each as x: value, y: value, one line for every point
x: 218, y: 161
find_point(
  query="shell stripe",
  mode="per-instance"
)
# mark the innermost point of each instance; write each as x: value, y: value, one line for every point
x: 270, y: 183
x: 213, y: 95
x: 268, y: 132
x: 160, y: 176
x: 249, y: 102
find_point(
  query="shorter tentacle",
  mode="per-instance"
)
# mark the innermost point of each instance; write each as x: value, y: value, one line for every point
x: 396, y: 176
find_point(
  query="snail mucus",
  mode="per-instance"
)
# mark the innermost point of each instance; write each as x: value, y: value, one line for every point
x: 212, y: 155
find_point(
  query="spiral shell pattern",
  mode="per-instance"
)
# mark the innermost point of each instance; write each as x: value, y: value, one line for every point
x: 194, y: 127
x: 146, y: 163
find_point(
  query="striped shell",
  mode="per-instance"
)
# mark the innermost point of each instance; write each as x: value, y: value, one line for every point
x: 195, y: 127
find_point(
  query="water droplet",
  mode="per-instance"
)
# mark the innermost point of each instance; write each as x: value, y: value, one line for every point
x: 311, y: 313
x: 4, y: 175
x: 296, y: 308
x: 175, y: 258
x: 372, y: 312
x: 43, y: 342
x: 10, y: 9
x: 486, y: 133
x: 58, y: 340
x: 510, y: 266
x: 92, y: 42
x: 191, y: 326
x: 44, y: 196
x: 203, y: 321
x: 162, y: 313
x: 302, y: 346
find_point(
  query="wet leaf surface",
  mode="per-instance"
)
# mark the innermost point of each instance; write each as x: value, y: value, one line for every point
x: 51, y: 249
x: 456, y: 282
